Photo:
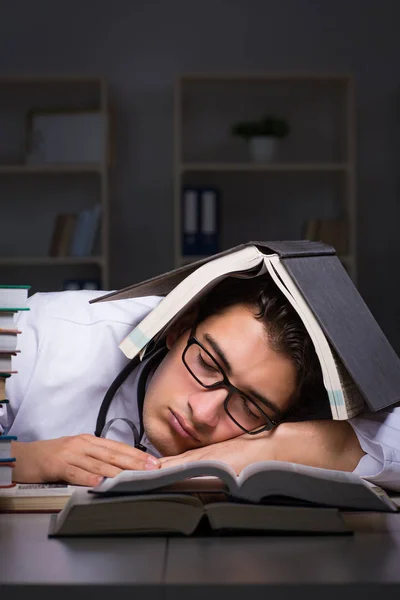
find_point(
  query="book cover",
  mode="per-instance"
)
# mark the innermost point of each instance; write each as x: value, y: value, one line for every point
x: 323, y: 283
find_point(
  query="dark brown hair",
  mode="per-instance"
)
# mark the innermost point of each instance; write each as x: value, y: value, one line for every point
x: 286, y: 335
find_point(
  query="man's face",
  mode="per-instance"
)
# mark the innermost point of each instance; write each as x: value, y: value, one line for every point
x: 179, y: 414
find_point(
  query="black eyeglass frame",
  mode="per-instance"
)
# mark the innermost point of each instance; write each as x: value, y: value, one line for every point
x: 192, y: 340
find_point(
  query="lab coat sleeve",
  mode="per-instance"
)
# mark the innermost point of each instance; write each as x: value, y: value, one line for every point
x: 29, y: 323
x: 62, y: 348
x: 379, y: 437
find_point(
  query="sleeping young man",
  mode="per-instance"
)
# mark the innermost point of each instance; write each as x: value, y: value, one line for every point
x: 237, y: 380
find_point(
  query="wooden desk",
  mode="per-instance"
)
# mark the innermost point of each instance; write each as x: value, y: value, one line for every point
x: 83, y: 567
x: 365, y: 565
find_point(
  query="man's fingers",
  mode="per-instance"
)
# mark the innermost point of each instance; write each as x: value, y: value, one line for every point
x: 108, y: 443
x: 76, y: 476
x: 113, y: 455
x: 119, y: 460
x: 92, y: 465
x: 121, y: 448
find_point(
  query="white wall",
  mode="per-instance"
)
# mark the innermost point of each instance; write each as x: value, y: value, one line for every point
x: 141, y: 45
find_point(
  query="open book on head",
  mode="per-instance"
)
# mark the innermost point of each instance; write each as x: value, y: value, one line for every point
x: 359, y: 367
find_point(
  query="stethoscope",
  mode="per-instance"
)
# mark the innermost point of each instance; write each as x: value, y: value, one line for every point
x: 102, y: 426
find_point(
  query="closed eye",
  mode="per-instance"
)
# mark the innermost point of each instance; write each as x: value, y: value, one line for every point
x: 204, y: 365
x: 248, y: 410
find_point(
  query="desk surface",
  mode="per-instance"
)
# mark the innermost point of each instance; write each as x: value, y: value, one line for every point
x: 368, y: 561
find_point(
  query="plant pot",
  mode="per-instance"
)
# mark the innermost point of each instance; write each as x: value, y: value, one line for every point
x: 262, y: 148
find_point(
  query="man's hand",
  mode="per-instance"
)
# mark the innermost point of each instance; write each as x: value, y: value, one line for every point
x: 237, y: 452
x: 326, y: 444
x: 80, y: 460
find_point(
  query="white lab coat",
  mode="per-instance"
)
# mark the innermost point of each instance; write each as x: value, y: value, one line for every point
x: 70, y: 356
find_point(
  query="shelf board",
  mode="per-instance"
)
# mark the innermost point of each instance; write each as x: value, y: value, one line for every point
x: 259, y: 76
x: 50, y: 260
x: 252, y: 167
x: 53, y: 79
x: 56, y: 168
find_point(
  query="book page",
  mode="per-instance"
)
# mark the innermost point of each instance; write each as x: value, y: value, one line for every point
x: 36, y: 497
x: 142, y: 481
x: 325, y: 487
x: 343, y: 392
x: 353, y: 399
x: 29, y: 490
x: 244, y: 259
x: 328, y: 366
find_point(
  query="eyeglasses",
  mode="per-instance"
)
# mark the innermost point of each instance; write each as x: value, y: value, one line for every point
x: 242, y: 409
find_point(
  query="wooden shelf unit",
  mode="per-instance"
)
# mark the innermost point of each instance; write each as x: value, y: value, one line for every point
x: 319, y: 154
x: 26, y: 189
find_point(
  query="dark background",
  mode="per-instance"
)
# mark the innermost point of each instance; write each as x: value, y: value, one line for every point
x: 141, y: 46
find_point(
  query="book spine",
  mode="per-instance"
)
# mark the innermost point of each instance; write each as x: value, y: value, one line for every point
x: 295, y: 248
x: 209, y: 220
x: 78, y: 243
x: 190, y: 222
x: 92, y: 229
x: 56, y: 238
x: 67, y: 234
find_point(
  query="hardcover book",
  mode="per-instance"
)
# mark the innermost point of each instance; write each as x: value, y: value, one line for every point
x: 359, y: 366
x: 13, y: 297
x: 266, y: 496
x: 157, y: 514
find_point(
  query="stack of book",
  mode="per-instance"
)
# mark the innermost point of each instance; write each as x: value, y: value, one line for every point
x: 36, y: 497
x: 6, y: 461
x: 12, y: 300
x: 75, y: 234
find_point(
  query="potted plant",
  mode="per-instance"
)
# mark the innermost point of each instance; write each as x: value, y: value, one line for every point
x: 262, y: 135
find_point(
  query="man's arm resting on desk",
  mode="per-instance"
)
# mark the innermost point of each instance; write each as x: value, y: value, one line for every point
x: 80, y: 459
x: 326, y: 444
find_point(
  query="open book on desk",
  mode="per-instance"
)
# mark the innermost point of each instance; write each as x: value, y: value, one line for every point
x: 259, y: 482
x: 267, y: 496
x: 359, y: 367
